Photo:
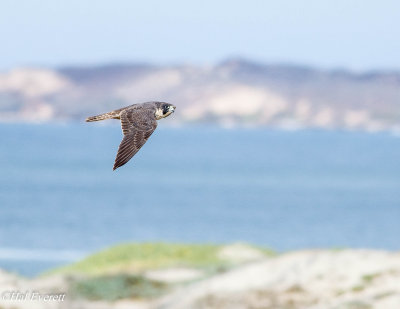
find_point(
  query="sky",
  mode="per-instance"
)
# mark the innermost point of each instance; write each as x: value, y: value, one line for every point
x: 348, y: 34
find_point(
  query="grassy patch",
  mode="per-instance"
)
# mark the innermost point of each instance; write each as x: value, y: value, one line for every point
x: 384, y: 294
x: 112, y: 288
x: 357, y: 305
x: 358, y: 288
x: 370, y: 277
x: 135, y: 258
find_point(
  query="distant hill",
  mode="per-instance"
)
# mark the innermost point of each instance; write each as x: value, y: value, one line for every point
x: 230, y: 93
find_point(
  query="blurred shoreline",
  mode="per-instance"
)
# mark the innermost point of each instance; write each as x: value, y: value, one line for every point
x: 232, y: 93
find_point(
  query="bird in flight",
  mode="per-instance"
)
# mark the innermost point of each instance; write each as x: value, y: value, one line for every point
x: 138, y: 122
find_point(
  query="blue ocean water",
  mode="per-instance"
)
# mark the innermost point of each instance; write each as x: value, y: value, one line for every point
x: 60, y: 199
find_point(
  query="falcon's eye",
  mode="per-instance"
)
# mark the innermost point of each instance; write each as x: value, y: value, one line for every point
x: 165, y: 109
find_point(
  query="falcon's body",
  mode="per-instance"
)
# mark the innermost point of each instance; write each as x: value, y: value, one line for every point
x: 138, y: 122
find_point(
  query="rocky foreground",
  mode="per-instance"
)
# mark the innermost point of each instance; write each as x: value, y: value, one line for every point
x: 312, y: 279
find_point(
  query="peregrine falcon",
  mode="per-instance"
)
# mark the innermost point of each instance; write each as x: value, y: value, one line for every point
x: 138, y: 122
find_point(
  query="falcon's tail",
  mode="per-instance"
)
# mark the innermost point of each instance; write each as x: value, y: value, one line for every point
x: 110, y: 115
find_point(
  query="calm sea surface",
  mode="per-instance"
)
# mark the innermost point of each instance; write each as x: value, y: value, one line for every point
x: 60, y: 199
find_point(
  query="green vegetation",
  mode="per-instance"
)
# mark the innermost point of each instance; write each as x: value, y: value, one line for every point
x: 384, y: 294
x: 370, y: 277
x: 358, y: 288
x: 112, y: 288
x: 357, y: 305
x: 136, y: 258
x: 117, y: 273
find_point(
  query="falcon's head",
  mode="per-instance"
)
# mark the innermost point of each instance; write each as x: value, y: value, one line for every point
x: 164, y: 110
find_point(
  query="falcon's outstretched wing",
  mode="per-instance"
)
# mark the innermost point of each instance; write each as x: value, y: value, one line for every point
x: 137, y: 126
